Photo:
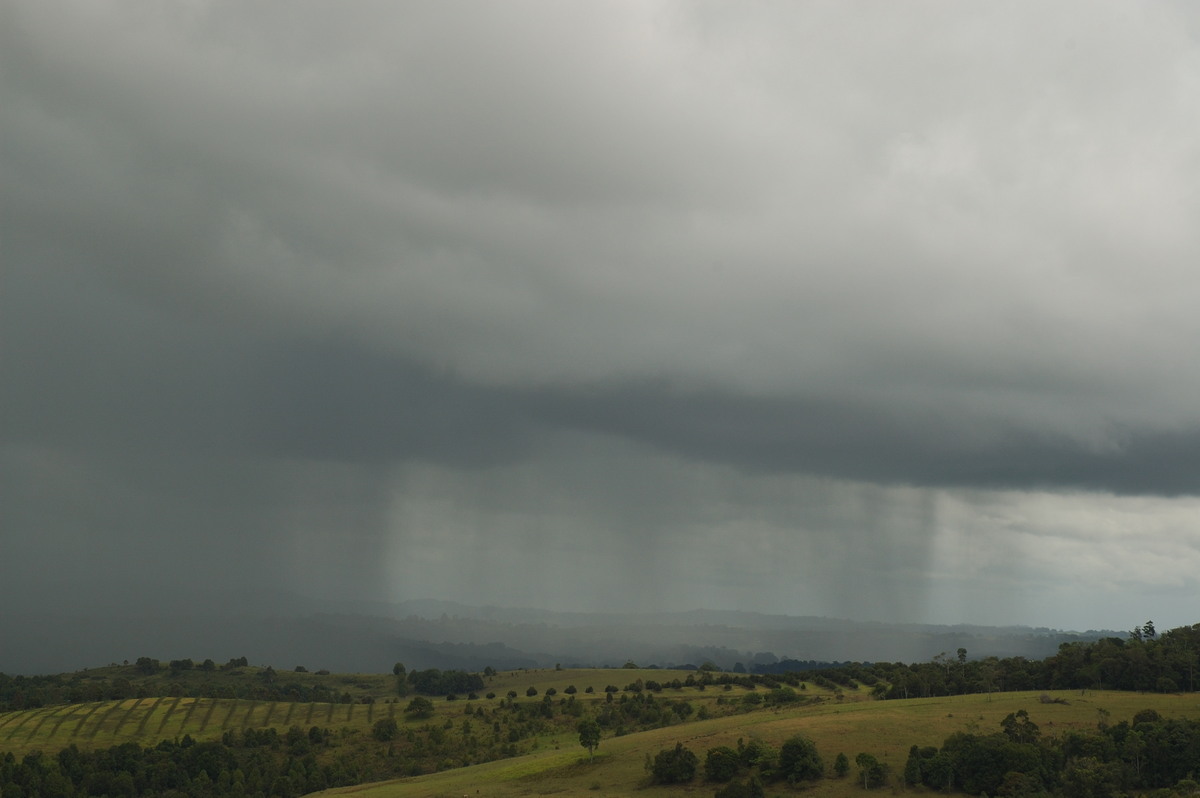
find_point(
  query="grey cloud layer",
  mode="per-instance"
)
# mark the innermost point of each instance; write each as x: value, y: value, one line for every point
x: 102, y: 372
x: 748, y: 202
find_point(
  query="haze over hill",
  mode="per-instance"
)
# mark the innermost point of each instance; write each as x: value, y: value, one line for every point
x: 425, y: 634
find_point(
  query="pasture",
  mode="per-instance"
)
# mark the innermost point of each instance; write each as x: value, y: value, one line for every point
x: 148, y: 720
x: 885, y: 729
x: 556, y: 764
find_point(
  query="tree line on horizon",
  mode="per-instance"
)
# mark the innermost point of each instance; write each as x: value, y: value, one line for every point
x: 1144, y: 661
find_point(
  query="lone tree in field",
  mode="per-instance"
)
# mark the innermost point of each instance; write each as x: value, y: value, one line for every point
x: 589, y: 735
x: 420, y: 706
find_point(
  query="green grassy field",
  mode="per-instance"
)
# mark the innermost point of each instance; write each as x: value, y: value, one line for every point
x: 557, y: 765
x: 196, y: 679
x: 148, y: 720
x: 885, y: 729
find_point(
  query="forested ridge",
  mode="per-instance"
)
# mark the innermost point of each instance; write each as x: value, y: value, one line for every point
x: 1145, y: 661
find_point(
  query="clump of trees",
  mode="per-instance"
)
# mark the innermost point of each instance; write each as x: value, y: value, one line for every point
x: 258, y: 762
x: 437, y: 682
x: 1146, y: 753
x: 756, y: 763
x: 1145, y: 660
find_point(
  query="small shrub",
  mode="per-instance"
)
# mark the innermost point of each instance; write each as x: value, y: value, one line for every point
x: 741, y: 789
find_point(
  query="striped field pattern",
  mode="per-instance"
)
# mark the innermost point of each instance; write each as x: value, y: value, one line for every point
x: 148, y: 720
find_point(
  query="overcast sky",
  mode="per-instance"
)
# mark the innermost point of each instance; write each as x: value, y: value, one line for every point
x: 872, y: 310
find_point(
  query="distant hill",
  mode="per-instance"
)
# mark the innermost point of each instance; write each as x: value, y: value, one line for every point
x: 362, y: 637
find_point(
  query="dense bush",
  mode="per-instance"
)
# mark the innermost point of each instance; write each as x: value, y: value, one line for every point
x: 436, y: 682
x: 741, y: 789
x: 799, y: 761
x: 419, y: 707
x: 385, y: 730
x: 1017, y: 762
x: 721, y: 764
x: 674, y: 766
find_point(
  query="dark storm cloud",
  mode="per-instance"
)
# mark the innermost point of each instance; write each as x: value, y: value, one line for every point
x: 93, y: 369
x: 106, y: 370
x: 227, y: 209
x: 304, y: 283
x: 853, y: 438
x: 333, y: 400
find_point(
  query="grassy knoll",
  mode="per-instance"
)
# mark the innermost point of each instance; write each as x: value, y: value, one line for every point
x: 884, y: 729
